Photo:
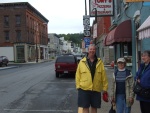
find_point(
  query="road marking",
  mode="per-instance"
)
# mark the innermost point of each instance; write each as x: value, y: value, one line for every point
x: 64, y: 111
x: 60, y: 82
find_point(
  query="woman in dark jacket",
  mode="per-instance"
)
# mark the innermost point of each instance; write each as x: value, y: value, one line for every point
x: 143, y: 77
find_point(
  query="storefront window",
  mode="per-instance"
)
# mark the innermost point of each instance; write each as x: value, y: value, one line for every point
x: 127, y: 53
x: 127, y: 49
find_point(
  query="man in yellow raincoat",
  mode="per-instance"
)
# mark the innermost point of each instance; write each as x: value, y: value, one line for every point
x: 91, y: 80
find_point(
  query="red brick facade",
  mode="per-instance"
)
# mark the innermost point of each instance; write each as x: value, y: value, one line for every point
x: 24, y: 29
x: 31, y: 25
x: 103, y: 24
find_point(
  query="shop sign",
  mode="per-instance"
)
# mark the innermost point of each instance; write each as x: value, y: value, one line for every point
x: 102, y: 7
x: 95, y: 31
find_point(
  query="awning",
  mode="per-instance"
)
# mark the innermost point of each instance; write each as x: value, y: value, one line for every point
x: 144, y: 29
x: 122, y: 33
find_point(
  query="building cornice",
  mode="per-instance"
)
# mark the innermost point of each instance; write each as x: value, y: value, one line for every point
x: 24, y: 5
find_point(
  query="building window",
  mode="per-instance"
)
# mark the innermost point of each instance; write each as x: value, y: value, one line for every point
x: 18, y: 35
x: 18, y: 20
x: 7, y: 35
x: 6, y: 20
x: 27, y: 21
x: 28, y: 36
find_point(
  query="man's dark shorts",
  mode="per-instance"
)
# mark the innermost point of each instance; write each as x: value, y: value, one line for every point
x: 89, y: 98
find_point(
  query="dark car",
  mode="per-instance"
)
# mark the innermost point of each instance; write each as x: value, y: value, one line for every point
x: 66, y: 64
x: 3, y: 60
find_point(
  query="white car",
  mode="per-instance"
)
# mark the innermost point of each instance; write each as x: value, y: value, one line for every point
x: 79, y: 57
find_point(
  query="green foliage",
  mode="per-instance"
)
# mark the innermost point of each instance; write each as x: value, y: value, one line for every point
x: 52, y: 57
x: 76, y: 37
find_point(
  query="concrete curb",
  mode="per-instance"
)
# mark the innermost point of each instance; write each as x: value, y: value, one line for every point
x: 10, y: 67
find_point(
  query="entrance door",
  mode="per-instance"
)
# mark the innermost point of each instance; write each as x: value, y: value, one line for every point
x: 20, y: 53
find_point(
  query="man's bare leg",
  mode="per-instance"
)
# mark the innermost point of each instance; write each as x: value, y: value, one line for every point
x: 85, y: 110
x: 93, y: 110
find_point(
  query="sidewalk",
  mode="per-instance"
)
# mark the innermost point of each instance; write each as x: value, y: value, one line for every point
x: 16, y: 65
x: 105, y: 107
x: 33, y: 62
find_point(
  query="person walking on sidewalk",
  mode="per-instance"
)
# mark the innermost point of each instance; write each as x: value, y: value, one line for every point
x: 144, y: 80
x: 90, y: 80
x: 122, y: 94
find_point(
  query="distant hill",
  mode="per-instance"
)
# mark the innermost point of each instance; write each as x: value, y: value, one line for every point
x: 76, y: 37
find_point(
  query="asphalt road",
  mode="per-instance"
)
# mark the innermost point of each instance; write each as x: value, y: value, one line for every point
x: 33, y: 88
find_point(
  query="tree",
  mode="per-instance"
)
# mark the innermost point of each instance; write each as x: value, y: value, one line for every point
x: 75, y: 38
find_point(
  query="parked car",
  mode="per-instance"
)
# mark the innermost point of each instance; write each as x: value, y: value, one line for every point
x: 3, y: 60
x: 65, y: 64
x: 78, y: 56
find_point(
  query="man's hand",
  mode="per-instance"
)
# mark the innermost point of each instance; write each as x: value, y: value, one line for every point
x: 131, y: 100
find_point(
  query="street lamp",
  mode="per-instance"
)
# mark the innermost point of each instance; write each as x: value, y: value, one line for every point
x: 36, y: 29
x: 36, y: 51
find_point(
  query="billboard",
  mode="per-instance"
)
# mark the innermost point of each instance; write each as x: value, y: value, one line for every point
x: 102, y: 7
x: 137, y: 0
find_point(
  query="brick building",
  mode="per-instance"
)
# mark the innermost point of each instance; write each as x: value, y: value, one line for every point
x: 106, y: 53
x: 23, y: 32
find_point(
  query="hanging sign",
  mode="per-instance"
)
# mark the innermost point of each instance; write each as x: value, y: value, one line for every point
x: 103, y: 8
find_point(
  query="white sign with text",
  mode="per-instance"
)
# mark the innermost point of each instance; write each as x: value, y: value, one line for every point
x: 103, y: 7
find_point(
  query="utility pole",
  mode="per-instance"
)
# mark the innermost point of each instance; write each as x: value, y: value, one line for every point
x: 36, y: 50
x: 85, y: 8
x: 36, y: 26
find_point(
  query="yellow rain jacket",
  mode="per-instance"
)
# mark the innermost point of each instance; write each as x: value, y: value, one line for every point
x: 84, y: 78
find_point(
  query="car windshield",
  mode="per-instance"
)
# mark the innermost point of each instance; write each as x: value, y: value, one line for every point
x: 68, y: 59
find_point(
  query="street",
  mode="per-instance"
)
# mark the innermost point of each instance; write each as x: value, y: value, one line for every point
x: 33, y: 88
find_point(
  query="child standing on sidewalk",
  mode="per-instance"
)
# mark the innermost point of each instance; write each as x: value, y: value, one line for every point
x: 121, y: 93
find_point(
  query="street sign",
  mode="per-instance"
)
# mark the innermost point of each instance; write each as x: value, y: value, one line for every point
x: 87, y: 33
x: 86, y: 27
x: 87, y: 41
x: 86, y: 23
x: 86, y: 20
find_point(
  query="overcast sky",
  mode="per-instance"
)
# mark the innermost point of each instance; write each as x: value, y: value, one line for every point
x: 65, y: 16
